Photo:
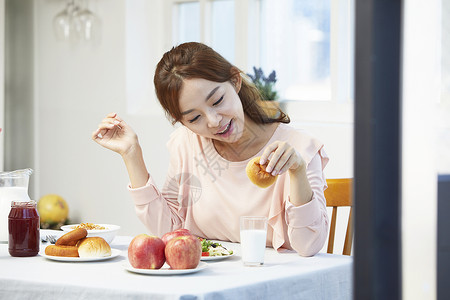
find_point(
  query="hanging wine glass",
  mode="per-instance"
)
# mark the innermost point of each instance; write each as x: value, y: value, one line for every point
x: 90, y: 24
x: 75, y: 24
x: 62, y: 22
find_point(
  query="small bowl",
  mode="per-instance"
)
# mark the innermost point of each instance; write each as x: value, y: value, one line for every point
x: 108, y: 234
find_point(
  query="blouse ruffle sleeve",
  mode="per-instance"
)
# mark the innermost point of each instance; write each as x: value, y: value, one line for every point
x: 307, y: 224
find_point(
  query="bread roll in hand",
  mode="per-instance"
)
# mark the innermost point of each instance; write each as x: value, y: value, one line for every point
x: 93, y: 247
x: 258, y: 175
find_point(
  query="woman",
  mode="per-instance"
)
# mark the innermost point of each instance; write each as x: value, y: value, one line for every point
x: 207, y: 188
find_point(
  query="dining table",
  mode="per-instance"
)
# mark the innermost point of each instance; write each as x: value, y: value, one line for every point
x: 284, y: 275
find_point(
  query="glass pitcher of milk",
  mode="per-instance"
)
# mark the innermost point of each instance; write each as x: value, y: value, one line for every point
x: 13, y: 187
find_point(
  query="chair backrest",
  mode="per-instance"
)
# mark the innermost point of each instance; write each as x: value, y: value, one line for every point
x: 338, y: 194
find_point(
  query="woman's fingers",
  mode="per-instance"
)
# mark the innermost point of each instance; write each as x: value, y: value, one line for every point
x: 99, y: 133
x: 113, y: 133
x: 281, y: 162
x: 95, y: 134
x: 112, y: 118
x: 268, y: 153
x: 287, y: 165
x: 274, y: 164
x: 280, y: 156
x: 110, y: 122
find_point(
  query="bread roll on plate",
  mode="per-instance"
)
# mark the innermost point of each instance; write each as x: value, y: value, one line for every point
x: 93, y: 247
x: 258, y: 175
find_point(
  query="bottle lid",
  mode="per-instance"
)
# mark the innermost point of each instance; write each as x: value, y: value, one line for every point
x: 23, y: 203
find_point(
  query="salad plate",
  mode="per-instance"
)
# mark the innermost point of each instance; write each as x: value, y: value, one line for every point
x: 213, y: 250
x: 165, y: 270
x: 114, y: 253
x: 206, y: 258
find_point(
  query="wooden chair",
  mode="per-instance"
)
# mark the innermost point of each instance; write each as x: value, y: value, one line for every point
x: 338, y: 194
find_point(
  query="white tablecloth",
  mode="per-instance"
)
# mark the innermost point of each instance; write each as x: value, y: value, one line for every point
x: 283, y: 276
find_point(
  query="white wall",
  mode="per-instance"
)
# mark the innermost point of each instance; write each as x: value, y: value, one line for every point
x: 76, y: 85
x: 2, y: 78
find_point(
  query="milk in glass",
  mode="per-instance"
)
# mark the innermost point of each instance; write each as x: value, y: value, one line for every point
x: 253, y: 246
x: 8, y: 194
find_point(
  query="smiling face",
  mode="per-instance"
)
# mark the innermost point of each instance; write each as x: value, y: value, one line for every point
x: 212, y: 109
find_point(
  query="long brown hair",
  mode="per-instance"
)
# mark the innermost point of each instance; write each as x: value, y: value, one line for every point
x: 196, y: 60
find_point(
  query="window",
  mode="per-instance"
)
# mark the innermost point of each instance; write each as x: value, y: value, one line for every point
x: 217, y: 29
x: 222, y: 25
x: 308, y: 43
x: 186, y: 22
x: 302, y: 40
x: 295, y: 41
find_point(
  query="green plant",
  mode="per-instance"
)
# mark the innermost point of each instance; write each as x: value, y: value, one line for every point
x: 265, y: 85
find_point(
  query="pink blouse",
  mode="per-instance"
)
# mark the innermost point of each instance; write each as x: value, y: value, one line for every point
x: 207, y: 194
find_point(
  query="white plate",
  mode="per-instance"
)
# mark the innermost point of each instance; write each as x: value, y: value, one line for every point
x: 205, y: 258
x: 114, y: 253
x: 165, y: 270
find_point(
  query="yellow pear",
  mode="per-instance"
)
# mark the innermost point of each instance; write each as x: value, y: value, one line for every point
x: 52, y: 208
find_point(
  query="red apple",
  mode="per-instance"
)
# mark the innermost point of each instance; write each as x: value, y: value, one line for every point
x: 146, y: 252
x: 183, y: 252
x: 170, y: 235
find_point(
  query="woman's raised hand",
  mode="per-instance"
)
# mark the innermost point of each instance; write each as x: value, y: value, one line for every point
x: 281, y: 157
x: 114, y: 134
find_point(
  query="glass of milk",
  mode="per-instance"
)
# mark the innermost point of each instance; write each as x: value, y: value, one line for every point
x: 253, y: 240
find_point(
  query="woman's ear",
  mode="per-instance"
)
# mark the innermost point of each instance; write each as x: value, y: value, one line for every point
x: 236, y: 80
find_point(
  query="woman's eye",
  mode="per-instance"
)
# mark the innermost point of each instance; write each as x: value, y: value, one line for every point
x: 194, y: 119
x: 218, y: 101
